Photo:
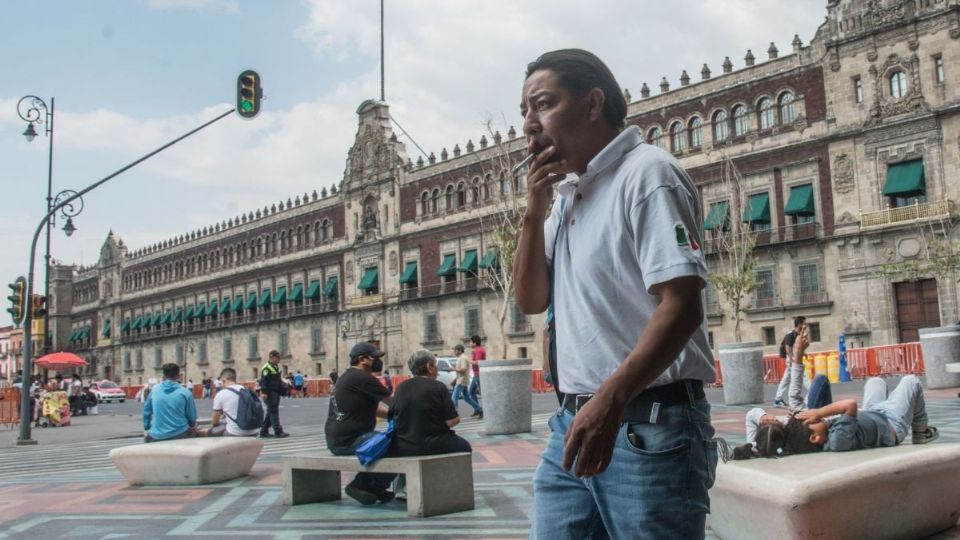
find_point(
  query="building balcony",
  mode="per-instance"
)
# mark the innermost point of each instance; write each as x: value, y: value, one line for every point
x: 715, y: 243
x: 810, y: 297
x: 765, y: 301
x: 365, y: 300
x: 914, y: 213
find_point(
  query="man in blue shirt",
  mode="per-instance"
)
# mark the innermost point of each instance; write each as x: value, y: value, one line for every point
x: 169, y: 412
x: 298, y: 383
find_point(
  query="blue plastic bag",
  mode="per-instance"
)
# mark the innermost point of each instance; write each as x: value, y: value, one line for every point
x: 376, y: 446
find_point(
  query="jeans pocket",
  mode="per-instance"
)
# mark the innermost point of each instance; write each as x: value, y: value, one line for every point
x: 710, y: 449
x: 655, y: 440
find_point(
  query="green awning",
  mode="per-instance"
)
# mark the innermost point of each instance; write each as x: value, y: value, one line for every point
x: 718, y: 217
x: 369, y: 280
x: 238, y: 303
x: 490, y: 260
x: 177, y: 315
x: 281, y: 295
x: 166, y: 317
x: 188, y: 313
x: 224, y: 306
x: 409, y: 274
x: 200, y: 310
x: 136, y: 323
x: 106, y: 329
x: 296, y: 295
x: 156, y: 318
x: 905, y: 179
x: 252, y: 300
x: 758, y: 209
x: 449, y: 265
x: 84, y: 334
x: 73, y: 336
x: 469, y: 263
x: 330, y: 289
x: 264, y: 298
x: 313, y: 291
x: 800, y: 202
x: 125, y: 325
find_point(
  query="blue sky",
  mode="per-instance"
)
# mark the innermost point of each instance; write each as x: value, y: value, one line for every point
x: 129, y: 75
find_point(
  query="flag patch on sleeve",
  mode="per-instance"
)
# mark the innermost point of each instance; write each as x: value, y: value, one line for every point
x: 683, y: 239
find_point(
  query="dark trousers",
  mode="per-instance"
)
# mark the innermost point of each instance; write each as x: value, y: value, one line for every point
x: 273, y: 414
x: 375, y: 483
x: 446, y: 443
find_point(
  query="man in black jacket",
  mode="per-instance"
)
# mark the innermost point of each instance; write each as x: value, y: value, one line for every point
x: 271, y: 384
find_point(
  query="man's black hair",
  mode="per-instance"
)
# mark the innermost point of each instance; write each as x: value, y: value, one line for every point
x: 775, y: 440
x: 475, y: 339
x: 229, y: 373
x: 798, y: 320
x: 581, y: 71
x: 171, y: 371
x: 274, y: 354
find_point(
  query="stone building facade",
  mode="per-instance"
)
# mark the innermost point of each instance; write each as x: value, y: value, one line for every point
x: 848, y: 154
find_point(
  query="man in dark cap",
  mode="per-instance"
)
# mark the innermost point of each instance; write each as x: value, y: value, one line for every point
x: 357, y: 401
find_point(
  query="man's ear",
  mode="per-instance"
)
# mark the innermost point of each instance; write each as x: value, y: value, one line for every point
x: 595, y: 101
x: 815, y: 438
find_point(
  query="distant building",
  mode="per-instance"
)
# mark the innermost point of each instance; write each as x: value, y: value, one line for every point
x: 846, y: 146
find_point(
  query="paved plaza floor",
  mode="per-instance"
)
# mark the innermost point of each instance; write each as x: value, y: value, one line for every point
x: 64, y: 489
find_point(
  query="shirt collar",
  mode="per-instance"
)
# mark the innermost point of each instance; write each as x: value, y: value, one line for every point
x: 625, y: 141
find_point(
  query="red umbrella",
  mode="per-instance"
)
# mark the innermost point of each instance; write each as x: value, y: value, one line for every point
x: 61, y: 361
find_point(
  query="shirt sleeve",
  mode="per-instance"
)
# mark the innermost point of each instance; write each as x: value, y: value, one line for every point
x: 841, y: 434
x: 667, y: 237
x: 550, y: 227
x: 449, y: 412
x: 752, y: 422
x: 218, y: 401
x: 374, y: 388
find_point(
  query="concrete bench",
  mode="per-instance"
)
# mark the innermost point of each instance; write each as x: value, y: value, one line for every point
x: 953, y: 367
x: 436, y: 485
x: 901, y: 492
x: 187, y: 461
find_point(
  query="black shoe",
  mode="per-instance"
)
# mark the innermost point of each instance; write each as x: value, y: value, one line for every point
x: 475, y: 414
x: 386, y: 496
x: 480, y: 416
x: 264, y: 434
x: 361, y: 496
x: 282, y: 435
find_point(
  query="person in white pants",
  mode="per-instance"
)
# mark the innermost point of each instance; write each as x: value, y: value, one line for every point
x: 793, y: 372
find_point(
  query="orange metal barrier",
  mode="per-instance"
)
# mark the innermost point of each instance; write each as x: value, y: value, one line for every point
x: 317, y: 387
x: 773, y: 368
x: 539, y: 384
x: 9, y: 406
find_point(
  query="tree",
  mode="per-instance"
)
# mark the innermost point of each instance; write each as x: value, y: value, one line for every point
x: 734, y: 272
x: 502, y: 226
x: 939, y: 255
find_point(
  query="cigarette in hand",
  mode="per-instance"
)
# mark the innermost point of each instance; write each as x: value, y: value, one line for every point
x: 526, y: 160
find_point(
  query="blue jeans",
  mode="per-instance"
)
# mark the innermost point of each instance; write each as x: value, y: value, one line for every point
x: 461, y: 391
x: 819, y: 394
x: 472, y: 393
x: 655, y: 491
x: 904, y: 408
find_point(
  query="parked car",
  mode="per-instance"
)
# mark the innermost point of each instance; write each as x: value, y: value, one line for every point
x: 445, y: 370
x: 107, y: 391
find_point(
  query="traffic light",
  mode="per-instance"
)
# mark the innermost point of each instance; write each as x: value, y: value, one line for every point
x: 249, y: 93
x: 38, y: 305
x: 18, y: 300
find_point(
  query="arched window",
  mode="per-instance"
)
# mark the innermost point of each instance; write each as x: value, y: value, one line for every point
x: 328, y: 229
x: 461, y: 195
x: 299, y: 238
x: 323, y: 231
x: 655, y: 137
x: 765, y: 113
x: 487, y: 182
x: 788, y: 111
x: 898, y: 84
x: 721, y: 130
x: 424, y: 203
x: 505, y: 184
x: 677, y: 139
x: 739, y: 120
x: 317, y: 235
x: 448, y: 199
x: 696, y: 132
x: 435, y: 201
x: 475, y: 191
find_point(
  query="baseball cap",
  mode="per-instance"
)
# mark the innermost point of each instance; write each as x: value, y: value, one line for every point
x: 365, y: 349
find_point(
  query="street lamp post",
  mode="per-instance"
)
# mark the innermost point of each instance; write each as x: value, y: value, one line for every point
x: 34, y: 110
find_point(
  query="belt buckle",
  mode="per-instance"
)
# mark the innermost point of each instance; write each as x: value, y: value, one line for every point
x: 580, y: 400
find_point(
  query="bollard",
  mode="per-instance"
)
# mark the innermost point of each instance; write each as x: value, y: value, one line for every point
x: 507, y: 400
x: 742, y: 366
x: 941, y: 346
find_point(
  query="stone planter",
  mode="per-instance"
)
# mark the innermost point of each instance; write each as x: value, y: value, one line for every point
x: 941, y: 346
x: 506, y: 397
x: 742, y: 368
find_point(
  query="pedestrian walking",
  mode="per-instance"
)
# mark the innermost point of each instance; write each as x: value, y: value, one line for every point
x: 631, y: 454
x: 477, y: 355
x: 271, y: 385
x: 792, y: 370
x: 463, y: 381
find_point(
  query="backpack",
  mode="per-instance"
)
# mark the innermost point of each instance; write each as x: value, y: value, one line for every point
x: 249, y: 410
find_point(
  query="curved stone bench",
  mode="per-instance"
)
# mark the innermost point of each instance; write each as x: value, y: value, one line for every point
x: 902, y: 492
x: 187, y: 461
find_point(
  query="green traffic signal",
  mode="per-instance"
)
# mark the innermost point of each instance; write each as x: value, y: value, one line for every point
x: 249, y: 94
x: 18, y: 300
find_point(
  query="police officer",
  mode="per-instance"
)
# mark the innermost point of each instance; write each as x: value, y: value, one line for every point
x: 271, y: 385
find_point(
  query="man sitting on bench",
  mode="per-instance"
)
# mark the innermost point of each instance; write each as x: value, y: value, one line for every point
x: 169, y: 412
x: 227, y: 406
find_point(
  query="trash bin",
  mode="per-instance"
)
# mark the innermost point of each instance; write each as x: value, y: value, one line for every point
x: 742, y: 368
x: 507, y: 397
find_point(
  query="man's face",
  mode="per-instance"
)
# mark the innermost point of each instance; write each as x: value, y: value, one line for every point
x: 554, y: 116
x: 275, y: 359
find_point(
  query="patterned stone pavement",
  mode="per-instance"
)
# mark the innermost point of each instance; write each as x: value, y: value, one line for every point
x: 72, y: 491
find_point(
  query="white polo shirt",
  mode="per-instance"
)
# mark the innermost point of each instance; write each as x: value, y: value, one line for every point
x: 632, y: 221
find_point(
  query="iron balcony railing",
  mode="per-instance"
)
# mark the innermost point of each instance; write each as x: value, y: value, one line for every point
x: 916, y: 212
x: 715, y: 242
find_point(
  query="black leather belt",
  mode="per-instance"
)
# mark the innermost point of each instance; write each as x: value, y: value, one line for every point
x: 646, y: 406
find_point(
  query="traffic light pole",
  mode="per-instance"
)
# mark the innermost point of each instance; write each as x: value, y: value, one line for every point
x: 25, y: 413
